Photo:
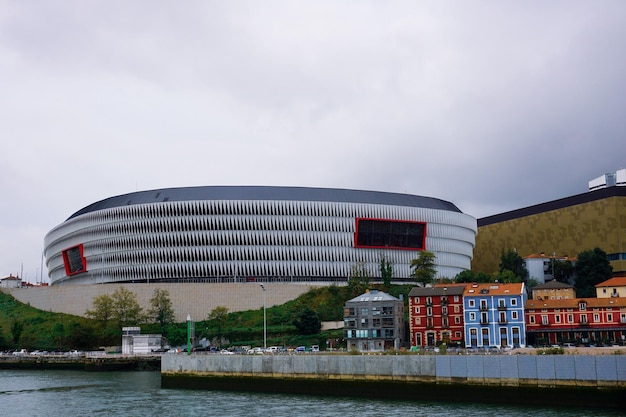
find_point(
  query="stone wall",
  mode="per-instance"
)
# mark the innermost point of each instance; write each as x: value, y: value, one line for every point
x: 608, y: 371
x: 187, y: 298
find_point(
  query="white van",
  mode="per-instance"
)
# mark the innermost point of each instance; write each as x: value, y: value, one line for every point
x: 315, y: 348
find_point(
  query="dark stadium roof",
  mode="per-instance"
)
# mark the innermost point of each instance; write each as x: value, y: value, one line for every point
x: 600, y: 194
x: 267, y: 193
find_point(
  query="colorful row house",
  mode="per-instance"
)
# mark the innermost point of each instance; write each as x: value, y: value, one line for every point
x: 470, y: 315
x: 436, y: 315
x: 494, y: 315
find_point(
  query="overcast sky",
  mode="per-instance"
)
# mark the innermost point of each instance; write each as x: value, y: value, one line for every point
x: 492, y: 105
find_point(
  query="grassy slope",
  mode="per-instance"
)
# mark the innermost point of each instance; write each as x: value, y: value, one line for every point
x: 55, y: 331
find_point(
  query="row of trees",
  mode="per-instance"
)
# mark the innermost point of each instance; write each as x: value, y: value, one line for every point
x: 592, y: 267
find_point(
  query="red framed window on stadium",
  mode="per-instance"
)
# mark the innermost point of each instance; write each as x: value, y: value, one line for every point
x: 390, y: 234
x: 74, y: 260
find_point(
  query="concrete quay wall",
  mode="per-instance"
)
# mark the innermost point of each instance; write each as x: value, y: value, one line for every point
x: 565, y: 380
x: 607, y: 371
x: 196, y: 299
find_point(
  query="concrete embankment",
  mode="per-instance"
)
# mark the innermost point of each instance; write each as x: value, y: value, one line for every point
x: 563, y: 380
x: 81, y: 362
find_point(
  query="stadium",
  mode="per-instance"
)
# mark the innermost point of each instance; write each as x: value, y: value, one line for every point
x: 231, y: 234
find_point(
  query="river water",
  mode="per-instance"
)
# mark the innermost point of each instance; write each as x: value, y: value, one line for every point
x: 76, y: 393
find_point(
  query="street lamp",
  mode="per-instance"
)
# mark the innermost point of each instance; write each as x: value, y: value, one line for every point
x: 264, y: 319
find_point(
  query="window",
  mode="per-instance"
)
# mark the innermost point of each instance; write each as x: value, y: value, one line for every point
x: 364, y: 311
x: 501, y: 303
x: 364, y: 322
x: 513, y: 301
x: 429, y: 300
x: 375, y: 311
x: 74, y: 260
x: 582, y: 306
x: 457, y: 309
x: 387, y: 310
x: 514, y: 315
x: 456, y: 298
x: 350, y: 311
x: 472, y: 316
x: 380, y: 233
x: 376, y: 322
x: 457, y: 320
x: 596, y: 318
x: 583, y: 318
x: 544, y: 320
x: 418, y: 321
x: 417, y: 310
x: 429, y: 311
x: 532, y: 319
x: 444, y: 310
x: 570, y: 318
x: 557, y: 319
x: 471, y: 303
x: 609, y: 317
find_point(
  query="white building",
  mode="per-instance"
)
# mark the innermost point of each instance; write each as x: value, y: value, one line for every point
x: 539, y: 266
x: 11, y: 282
x: 612, y: 179
x: 135, y: 343
x: 272, y: 234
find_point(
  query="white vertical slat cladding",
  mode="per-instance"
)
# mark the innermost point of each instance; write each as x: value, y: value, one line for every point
x: 220, y: 239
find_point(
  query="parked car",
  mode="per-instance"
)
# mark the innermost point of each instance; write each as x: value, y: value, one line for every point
x: 315, y: 348
x: 301, y: 349
x: 272, y: 349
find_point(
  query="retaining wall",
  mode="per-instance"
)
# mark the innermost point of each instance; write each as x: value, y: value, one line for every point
x: 196, y: 299
x: 598, y: 381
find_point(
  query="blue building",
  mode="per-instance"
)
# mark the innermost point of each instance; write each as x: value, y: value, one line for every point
x: 494, y: 315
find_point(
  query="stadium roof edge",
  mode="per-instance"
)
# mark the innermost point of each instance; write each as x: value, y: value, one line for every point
x: 587, y: 197
x: 271, y: 193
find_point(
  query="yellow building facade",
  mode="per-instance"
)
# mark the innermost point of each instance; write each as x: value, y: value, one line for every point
x: 563, y: 227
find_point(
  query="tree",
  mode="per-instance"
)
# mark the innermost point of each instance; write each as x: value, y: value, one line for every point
x: 161, y: 310
x: 121, y: 307
x: 17, y: 327
x: 423, y: 266
x: 513, y: 262
x: 465, y: 276
x: 126, y: 308
x: 218, y: 316
x: 102, y: 309
x: 359, y: 280
x: 386, y: 271
x: 308, y: 323
x: 561, y: 270
x: 592, y: 268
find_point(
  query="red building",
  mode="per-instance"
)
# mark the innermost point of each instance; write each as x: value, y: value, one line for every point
x: 576, y: 320
x: 436, y: 315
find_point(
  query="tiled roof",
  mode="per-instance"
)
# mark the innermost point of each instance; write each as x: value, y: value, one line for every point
x: 573, y: 303
x: 493, y: 289
x: 437, y: 291
x: 613, y: 282
x: 374, y: 295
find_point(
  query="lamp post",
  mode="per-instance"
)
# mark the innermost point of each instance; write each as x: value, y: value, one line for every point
x: 264, y: 319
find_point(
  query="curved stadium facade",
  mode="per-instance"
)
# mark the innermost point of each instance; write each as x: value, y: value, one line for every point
x: 244, y: 233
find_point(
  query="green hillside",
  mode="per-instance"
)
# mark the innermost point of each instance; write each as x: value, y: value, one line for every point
x: 22, y: 326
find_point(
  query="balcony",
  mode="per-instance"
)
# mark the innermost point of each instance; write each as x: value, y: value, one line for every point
x: 484, y: 322
x: 584, y: 323
x: 444, y: 302
x: 484, y: 308
x: 503, y: 321
x: 502, y: 308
